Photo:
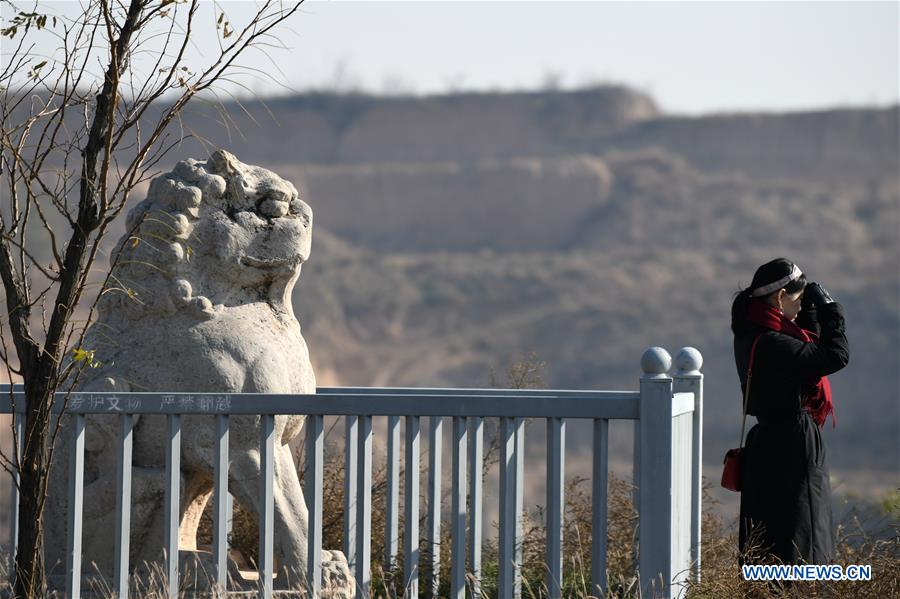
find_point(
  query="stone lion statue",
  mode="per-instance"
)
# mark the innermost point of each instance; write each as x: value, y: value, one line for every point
x: 200, y: 301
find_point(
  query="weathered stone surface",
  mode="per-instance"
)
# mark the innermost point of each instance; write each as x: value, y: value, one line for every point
x: 201, y: 302
x: 337, y: 582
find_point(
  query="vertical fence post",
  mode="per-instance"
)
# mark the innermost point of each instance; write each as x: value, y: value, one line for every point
x: 411, y: 509
x: 476, y: 467
x: 266, y: 561
x: 76, y: 505
x: 688, y: 378
x: 636, y: 483
x: 507, y: 566
x: 350, y: 455
x: 312, y: 491
x: 392, y: 499
x: 520, y: 504
x: 458, y: 510
x: 600, y: 510
x: 172, y: 499
x: 364, y: 508
x: 556, y: 471
x: 655, y: 510
x: 435, y: 450
x: 123, y: 506
x: 222, y: 508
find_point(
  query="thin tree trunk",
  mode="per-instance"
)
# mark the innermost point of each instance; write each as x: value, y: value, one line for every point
x: 30, y: 576
x: 40, y: 377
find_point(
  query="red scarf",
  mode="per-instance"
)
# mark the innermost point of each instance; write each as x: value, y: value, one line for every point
x: 818, y: 401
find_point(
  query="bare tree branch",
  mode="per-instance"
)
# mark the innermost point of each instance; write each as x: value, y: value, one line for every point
x: 75, y: 143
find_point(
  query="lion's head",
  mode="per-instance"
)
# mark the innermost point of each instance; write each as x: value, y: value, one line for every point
x: 211, y: 234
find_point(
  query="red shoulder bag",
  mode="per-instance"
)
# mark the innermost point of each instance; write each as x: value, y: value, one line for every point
x: 731, y: 473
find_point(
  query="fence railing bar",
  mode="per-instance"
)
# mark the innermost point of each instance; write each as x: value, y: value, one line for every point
x: 589, y: 394
x: 221, y: 507
x: 435, y: 450
x: 411, y: 509
x: 266, y: 505
x: 507, y: 541
x: 364, y: 509
x: 123, y: 506
x: 312, y: 491
x: 458, y: 511
x: 556, y: 470
x: 75, y: 507
x: 172, y: 502
x: 476, y: 466
x: 350, y: 490
x: 620, y: 405
x: 599, y: 500
x: 392, y: 516
x: 367, y: 392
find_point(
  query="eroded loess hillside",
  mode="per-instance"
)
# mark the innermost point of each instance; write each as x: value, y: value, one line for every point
x: 454, y: 232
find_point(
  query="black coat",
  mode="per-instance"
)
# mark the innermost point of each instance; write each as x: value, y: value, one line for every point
x: 786, y: 493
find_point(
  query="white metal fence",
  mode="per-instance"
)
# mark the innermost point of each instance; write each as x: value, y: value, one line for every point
x: 667, y: 416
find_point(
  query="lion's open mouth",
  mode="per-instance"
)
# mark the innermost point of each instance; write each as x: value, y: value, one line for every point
x: 270, y: 262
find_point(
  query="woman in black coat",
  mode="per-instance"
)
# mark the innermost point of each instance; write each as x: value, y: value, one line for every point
x: 795, y: 334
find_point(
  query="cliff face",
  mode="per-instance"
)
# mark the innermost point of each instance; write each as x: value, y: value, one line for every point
x: 446, y: 206
x: 835, y: 145
x: 333, y: 129
x: 477, y: 127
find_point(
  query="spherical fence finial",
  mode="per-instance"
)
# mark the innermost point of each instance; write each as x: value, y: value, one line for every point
x: 656, y: 362
x: 688, y: 360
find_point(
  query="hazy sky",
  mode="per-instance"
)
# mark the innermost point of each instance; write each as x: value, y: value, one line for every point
x: 692, y: 57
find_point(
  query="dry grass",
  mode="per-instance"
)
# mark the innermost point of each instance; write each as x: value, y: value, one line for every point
x: 867, y: 535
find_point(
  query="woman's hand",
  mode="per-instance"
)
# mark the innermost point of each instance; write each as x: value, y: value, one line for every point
x: 815, y: 296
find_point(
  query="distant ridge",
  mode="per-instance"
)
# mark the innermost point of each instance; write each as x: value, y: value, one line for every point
x: 325, y: 128
x: 859, y: 143
x: 331, y: 129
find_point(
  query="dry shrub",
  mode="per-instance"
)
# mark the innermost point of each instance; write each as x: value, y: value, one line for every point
x: 577, y: 542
